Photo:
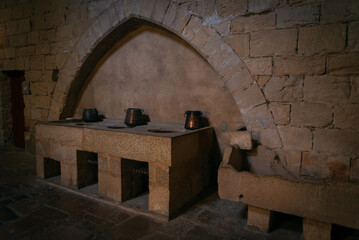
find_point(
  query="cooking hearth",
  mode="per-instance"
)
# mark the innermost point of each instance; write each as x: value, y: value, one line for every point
x: 167, y: 161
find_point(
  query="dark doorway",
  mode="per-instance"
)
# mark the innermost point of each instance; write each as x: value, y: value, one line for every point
x: 17, y: 107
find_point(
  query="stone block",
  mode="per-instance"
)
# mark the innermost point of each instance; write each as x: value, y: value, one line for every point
x: 33, y: 37
x: 202, y: 36
x: 222, y: 58
x: 260, y: 218
x: 250, y: 97
x: 303, y: 2
x: 226, y: 8
x: 37, y: 62
x: 121, y: 144
x: 243, y: 139
x: 176, y: 17
x: 336, y: 141
x: 315, y: 230
x: 109, y: 186
x: 346, y: 116
x: 294, y: 138
x: 193, y: 26
x: 212, y: 49
x: 145, y: 9
x: 262, y: 80
x: 284, y: 89
x: 333, y: 11
x: 103, y: 162
x: 293, y: 161
x: 43, y: 148
x: 261, y: 6
x: 159, y: 200
x: 236, y: 77
x: 280, y: 111
x: 253, y: 23
x: 354, y: 170
x: 239, y: 43
x: 159, y: 10
x: 311, y: 114
x: 354, y: 93
x: 66, y: 135
x: 299, y: 65
x: 10, y: 52
x: 63, y: 153
x: 353, y: 36
x: 40, y: 101
x: 223, y: 28
x: 297, y: 16
x: 20, y: 64
x: 10, y: 64
x: 343, y: 64
x: 325, y: 166
x: 264, y: 161
x: 259, y: 66
x: 311, y: 42
x: 234, y: 157
x: 23, y: 25
x: 69, y: 175
x: 25, y: 51
x: 40, y: 166
x: 114, y: 165
x: 258, y: 118
x: 40, y: 88
x: 270, y: 138
x: 33, y: 76
x: 273, y: 43
x: 326, y: 89
x: 60, y: 60
x: 50, y: 62
x: 160, y: 174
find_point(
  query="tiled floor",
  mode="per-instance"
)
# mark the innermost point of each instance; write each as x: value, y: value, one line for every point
x: 33, y: 209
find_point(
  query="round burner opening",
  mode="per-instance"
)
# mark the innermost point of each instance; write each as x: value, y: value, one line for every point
x: 162, y: 131
x: 116, y: 127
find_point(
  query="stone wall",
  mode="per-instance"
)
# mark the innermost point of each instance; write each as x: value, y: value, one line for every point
x: 292, y: 67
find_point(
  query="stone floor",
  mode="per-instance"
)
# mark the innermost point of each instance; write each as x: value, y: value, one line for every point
x: 33, y: 209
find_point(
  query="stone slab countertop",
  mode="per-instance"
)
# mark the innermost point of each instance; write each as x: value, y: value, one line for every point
x: 168, y: 130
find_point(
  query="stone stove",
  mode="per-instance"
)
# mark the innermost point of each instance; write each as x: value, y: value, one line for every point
x: 178, y: 161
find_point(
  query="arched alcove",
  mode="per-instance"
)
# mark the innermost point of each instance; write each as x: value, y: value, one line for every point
x: 155, y: 70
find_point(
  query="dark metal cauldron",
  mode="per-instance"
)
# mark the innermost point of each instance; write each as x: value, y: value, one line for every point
x: 193, y: 120
x: 90, y: 115
x: 134, y: 117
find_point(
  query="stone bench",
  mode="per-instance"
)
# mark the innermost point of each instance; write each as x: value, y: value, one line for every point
x: 320, y: 204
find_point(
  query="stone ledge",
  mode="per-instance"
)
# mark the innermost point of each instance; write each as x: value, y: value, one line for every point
x: 335, y: 202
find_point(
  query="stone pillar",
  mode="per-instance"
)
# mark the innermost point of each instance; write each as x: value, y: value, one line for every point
x: 159, y: 188
x: 314, y: 230
x: 260, y: 218
x: 109, y: 177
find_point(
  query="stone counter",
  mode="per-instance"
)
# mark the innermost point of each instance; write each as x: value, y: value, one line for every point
x: 177, y: 160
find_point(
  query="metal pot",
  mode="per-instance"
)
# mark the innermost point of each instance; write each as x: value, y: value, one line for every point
x: 134, y: 117
x: 90, y: 115
x: 193, y: 120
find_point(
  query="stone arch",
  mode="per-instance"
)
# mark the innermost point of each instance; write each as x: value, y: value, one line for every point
x: 124, y: 16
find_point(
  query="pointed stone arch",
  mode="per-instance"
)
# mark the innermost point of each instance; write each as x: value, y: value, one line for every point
x: 126, y: 15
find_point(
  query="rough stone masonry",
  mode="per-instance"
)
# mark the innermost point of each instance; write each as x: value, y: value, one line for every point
x: 292, y: 67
